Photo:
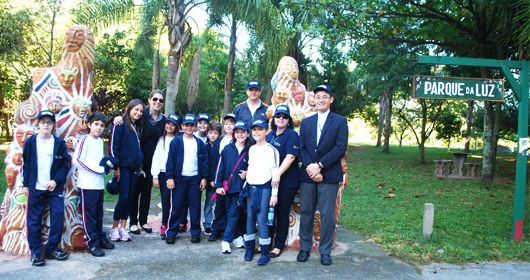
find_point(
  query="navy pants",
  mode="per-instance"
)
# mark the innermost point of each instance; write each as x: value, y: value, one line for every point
x: 281, y: 216
x: 219, y: 223
x: 141, y: 192
x: 35, y: 207
x: 92, y: 211
x: 126, y: 184
x: 184, y: 213
x: 232, y: 225
x: 165, y: 197
x: 188, y: 187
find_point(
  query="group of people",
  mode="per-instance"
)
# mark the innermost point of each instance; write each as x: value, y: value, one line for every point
x: 244, y: 173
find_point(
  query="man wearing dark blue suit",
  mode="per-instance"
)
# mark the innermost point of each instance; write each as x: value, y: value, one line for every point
x: 323, y: 142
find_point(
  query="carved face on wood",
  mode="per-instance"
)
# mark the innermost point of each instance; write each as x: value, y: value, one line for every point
x: 82, y: 126
x: 311, y: 99
x: 67, y: 77
x: 17, y: 159
x: 298, y: 116
x: 75, y: 38
x: 54, y: 102
x: 80, y: 107
x: 21, y: 136
x: 291, y: 68
x: 70, y: 143
x: 282, y: 94
x: 11, y: 176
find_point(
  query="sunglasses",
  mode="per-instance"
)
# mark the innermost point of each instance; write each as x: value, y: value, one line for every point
x: 155, y: 99
x: 282, y: 116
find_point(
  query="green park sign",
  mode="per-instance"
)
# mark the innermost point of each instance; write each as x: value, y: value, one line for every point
x: 430, y: 87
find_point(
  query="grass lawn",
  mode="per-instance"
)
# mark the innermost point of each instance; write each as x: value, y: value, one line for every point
x: 472, y: 220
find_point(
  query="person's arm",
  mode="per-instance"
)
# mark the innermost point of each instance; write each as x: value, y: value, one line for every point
x: 203, y: 161
x: 339, y: 149
x: 219, y: 174
x: 155, y: 164
x: 116, y: 134
x: 292, y: 151
x: 171, y: 159
x: 25, y: 161
x: 60, y: 176
x: 80, y: 154
x: 304, y: 153
x: 275, y: 163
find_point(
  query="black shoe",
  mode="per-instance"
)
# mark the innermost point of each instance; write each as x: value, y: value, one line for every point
x: 58, y: 255
x: 147, y: 228
x: 136, y: 230
x: 302, y: 256
x: 213, y: 237
x: 106, y: 244
x: 170, y: 240
x: 195, y: 239
x: 96, y: 251
x: 207, y: 231
x: 37, y: 260
x: 325, y: 259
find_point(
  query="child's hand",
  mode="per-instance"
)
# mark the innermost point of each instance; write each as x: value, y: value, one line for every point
x: 220, y: 191
x: 203, y: 184
x: 156, y: 184
x: 243, y: 174
x: 170, y: 184
x: 25, y: 191
x: 274, y: 200
x: 212, y: 184
x: 51, y: 185
x: 118, y: 120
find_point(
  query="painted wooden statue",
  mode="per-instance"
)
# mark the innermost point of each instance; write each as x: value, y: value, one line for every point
x: 66, y: 90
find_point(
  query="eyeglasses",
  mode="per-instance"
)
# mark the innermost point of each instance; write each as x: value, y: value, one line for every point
x: 322, y: 97
x: 155, y: 99
x: 45, y: 123
x: 282, y: 116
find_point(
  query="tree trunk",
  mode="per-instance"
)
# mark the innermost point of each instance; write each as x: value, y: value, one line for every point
x: 469, y: 120
x: 231, y: 70
x: 381, y: 119
x: 268, y: 96
x: 488, y: 159
x: 155, y: 81
x: 173, y: 65
x: 388, y: 121
x: 423, y: 128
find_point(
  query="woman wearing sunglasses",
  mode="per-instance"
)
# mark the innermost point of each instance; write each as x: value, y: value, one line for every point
x: 153, y: 123
x: 287, y: 142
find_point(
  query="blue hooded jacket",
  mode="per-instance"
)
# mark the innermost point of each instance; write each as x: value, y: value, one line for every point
x: 125, y: 145
x: 229, y: 157
x: 175, y: 159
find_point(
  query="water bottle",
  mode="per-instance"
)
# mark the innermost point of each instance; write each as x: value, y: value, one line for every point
x: 270, y: 216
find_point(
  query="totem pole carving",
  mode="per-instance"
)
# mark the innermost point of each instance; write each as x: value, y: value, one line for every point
x: 66, y: 90
x: 288, y: 90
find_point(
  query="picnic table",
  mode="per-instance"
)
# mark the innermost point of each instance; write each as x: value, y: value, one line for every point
x: 459, y: 158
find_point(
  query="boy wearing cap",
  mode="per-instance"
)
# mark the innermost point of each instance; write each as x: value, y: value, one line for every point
x: 187, y: 174
x: 323, y: 142
x: 92, y: 165
x: 213, y: 132
x: 44, y: 170
x: 252, y: 109
x: 203, y: 120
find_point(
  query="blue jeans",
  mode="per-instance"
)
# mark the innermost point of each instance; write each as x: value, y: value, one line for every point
x: 208, y: 207
x: 261, y: 216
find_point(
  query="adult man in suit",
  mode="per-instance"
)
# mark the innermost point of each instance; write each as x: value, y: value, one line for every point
x: 323, y: 142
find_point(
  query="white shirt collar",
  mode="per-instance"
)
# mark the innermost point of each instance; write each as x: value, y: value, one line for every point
x: 323, y: 115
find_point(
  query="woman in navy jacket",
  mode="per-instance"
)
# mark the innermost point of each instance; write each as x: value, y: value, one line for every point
x: 125, y: 145
x: 40, y: 190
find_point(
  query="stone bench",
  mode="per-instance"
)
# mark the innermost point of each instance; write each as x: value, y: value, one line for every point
x: 474, y: 170
x: 443, y: 167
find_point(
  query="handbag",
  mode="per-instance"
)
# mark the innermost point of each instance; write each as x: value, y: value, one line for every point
x: 225, y: 183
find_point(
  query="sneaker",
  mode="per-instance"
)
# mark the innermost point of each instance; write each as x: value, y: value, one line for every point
x: 124, y: 234
x: 37, y: 260
x: 57, y: 255
x: 96, y: 251
x: 225, y: 248
x: 213, y: 237
x: 239, y: 243
x: 170, y: 240
x: 115, y: 234
x: 195, y: 239
x: 105, y: 244
x: 183, y: 227
x: 163, y: 230
x: 208, y: 231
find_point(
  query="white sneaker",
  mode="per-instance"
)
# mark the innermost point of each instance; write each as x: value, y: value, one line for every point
x: 239, y: 243
x: 115, y: 234
x: 225, y: 248
x: 125, y: 236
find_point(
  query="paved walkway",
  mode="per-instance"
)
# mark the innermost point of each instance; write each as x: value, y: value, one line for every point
x: 148, y: 257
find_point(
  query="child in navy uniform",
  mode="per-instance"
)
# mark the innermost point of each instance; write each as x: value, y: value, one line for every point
x: 91, y: 165
x: 231, y: 172
x: 44, y: 170
x: 213, y: 133
x: 125, y: 145
x: 263, y: 164
x: 158, y: 168
x: 187, y: 174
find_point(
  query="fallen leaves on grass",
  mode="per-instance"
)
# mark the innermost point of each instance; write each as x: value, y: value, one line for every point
x: 417, y: 195
x: 381, y: 184
x: 423, y: 195
x: 390, y: 195
x: 357, y: 189
x: 492, y: 195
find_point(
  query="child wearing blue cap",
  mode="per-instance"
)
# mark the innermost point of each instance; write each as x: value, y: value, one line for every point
x: 231, y: 174
x: 92, y: 165
x: 187, y: 174
x: 203, y: 120
x: 260, y: 191
x: 44, y: 169
x: 158, y: 167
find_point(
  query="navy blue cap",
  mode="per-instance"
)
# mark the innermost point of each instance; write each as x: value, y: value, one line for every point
x: 231, y: 115
x: 189, y: 118
x: 112, y: 186
x: 241, y: 124
x: 203, y: 116
x: 253, y: 84
x: 282, y: 108
x: 174, y: 119
x: 325, y: 88
x: 46, y: 113
x: 260, y: 123
x: 109, y: 163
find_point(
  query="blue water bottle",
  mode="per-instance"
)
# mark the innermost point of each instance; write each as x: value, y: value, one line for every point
x: 270, y: 216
